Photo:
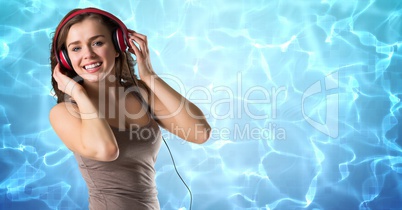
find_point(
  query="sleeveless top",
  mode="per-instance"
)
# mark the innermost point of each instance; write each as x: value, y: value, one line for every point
x: 129, y: 181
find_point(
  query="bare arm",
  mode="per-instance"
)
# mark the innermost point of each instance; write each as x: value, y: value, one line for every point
x: 174, y: 112
x: 79, y: 126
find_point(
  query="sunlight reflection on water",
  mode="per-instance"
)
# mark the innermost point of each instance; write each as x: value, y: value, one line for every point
x: 309, y: 68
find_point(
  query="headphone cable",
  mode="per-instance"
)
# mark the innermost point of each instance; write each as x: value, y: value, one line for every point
x: 167, y: 146
x: 178, y: 174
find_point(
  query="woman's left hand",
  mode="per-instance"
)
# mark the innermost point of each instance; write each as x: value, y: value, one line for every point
x: 174, y: 112
x: 141, y: 51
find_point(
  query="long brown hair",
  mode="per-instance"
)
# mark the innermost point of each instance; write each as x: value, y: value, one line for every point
x: 124, y: 63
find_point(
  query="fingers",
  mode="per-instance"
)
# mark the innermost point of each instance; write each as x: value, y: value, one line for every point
x: 141, y: 40
x: 56, y: 72
x: 134, y: 33
x: 64, y: 83
x: 141, y: 36
x: 58, y: 75
x: 135, y: 50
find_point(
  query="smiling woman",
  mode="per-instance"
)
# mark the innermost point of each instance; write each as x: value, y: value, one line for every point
x: 89, y: 45
x: 233, y: 59
x: 99, y: 101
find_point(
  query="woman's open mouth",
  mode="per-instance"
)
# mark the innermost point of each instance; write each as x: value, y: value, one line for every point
x: 93, y: 67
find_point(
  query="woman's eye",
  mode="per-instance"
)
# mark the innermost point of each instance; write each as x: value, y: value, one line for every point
x: 75, y: 49
x: 99, y: 43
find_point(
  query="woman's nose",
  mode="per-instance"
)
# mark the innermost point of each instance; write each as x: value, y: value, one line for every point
x: 89, y: 53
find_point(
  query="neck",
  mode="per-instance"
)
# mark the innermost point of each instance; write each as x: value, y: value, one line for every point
x: 97, y: 90
x: 104, y: 95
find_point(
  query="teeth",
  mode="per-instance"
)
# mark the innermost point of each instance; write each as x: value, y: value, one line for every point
x: 92, y: 66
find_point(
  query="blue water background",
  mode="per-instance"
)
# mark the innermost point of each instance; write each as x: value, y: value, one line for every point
x: 303, y: 97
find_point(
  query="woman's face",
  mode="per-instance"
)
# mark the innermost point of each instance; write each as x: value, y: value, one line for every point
x: 90, y: 49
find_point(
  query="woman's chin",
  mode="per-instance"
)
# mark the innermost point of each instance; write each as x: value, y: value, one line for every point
x: 92, y: 78
x: 95, y: 78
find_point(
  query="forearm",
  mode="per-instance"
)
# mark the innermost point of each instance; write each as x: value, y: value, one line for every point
x: 176, y: 113
x: 176, y: 105
x: 96, y: 136
x: 173, y: 111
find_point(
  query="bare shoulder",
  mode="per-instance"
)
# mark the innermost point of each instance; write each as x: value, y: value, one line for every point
x: 64, y: 109
x: 63, y: 118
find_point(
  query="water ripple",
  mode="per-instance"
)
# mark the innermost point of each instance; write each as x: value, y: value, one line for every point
x: 304, y: 99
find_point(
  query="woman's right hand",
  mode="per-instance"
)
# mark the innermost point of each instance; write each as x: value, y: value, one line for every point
x: 92, y: 136
x: 65, y: 83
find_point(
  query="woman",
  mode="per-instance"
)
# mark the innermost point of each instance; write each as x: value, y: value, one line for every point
x: 108, y: 117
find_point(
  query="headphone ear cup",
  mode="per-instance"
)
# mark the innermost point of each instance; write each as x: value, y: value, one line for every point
x: 65, y: 60
x: 119, y: 41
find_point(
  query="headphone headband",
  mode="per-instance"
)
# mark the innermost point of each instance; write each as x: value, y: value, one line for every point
x: 124, y: 32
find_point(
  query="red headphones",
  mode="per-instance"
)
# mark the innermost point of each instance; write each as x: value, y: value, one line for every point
x: 119, y: 36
